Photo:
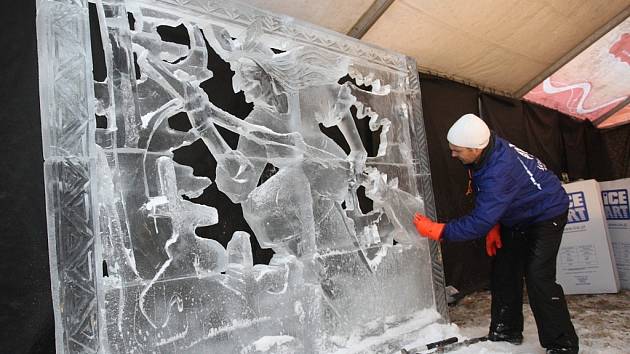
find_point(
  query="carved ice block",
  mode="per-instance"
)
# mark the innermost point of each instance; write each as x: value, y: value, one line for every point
x: 130, y: 269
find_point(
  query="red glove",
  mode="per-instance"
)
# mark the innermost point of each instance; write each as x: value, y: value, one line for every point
x: 428, y: 228
x: 493, y: 240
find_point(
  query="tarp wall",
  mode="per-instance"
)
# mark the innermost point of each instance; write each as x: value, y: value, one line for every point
x: 26, y: 318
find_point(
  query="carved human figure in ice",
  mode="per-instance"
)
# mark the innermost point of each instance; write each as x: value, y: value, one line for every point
x: 296, y: 209
x: 160, y: 301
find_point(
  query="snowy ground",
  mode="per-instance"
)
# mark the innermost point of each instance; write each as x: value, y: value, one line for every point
x: 602, y: 323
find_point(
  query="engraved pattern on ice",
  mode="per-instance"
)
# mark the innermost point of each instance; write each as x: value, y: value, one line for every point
x: 149, y: 282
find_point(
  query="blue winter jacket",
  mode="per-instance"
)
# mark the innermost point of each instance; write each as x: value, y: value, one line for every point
x: 513, y: 188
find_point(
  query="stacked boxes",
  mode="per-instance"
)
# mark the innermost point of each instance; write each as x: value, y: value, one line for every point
x: 586, y: 264
x: 615, y: 197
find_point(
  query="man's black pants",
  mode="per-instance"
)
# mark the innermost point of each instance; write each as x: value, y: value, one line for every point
x: 531, y: 252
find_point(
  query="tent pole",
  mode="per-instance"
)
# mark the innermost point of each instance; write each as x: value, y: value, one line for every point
x: 369, y: 17
x: 610, y: 113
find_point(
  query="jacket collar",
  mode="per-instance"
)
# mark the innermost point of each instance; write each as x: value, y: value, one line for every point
x: 485, y: 154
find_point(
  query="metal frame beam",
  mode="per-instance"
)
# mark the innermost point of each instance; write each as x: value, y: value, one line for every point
x: 612, y: 112
x: 369, y: 18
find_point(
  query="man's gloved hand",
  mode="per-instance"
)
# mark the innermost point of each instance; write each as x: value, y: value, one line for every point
x: 493, y: 240
x: 428, y: 228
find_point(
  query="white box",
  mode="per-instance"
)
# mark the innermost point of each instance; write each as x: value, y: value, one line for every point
x: 616, y: 198
x: 585, y: 262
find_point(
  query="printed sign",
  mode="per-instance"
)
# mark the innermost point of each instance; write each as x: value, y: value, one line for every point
x: 616, y: 207
x: 616, y: 204
x: 585, y: 263
x: 577, y: 208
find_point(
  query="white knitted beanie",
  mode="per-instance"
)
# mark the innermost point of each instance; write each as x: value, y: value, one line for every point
x: 469, y: 131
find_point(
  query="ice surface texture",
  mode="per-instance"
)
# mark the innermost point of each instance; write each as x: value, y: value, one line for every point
x: 130, y: 273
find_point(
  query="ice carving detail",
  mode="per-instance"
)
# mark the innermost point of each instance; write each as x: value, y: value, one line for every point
x: 335, y: 268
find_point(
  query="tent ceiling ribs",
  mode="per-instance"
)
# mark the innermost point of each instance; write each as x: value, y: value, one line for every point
x: 574, y: 52
x: 369, y: 17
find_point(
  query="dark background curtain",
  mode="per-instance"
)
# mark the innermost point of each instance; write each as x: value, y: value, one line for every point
x: 26, y: 316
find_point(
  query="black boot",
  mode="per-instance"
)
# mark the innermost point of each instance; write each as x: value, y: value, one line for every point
x: 515, y: 338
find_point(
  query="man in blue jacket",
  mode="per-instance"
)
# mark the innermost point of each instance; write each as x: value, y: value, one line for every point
x: 515, y: 190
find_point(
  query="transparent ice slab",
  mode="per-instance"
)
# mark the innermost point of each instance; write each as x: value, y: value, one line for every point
x: 130, y: 271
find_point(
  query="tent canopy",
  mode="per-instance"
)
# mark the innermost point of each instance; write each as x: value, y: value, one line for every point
x: 570, y: 55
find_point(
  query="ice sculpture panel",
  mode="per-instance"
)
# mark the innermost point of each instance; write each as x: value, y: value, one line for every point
x: 130, y: 272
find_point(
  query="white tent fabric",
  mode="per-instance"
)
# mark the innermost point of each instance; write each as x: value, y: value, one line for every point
x: 501, y: 45
x: 594, y: 83
x: 507, y: 47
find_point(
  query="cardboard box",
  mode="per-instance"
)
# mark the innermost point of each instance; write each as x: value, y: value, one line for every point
x: 585, y: 262
x: 616, y: 200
